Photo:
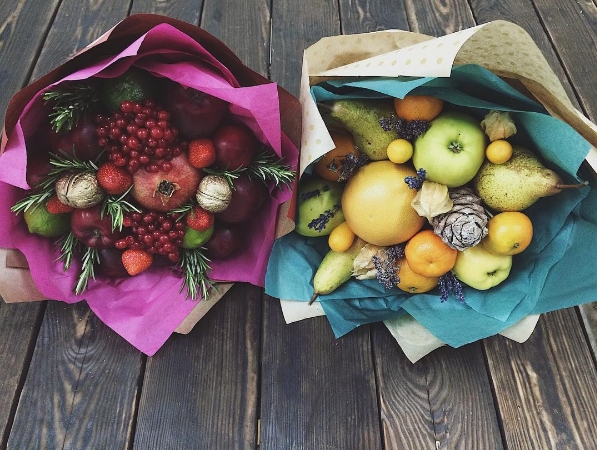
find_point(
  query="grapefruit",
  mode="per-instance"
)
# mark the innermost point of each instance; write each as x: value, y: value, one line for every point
x: 377, y: 203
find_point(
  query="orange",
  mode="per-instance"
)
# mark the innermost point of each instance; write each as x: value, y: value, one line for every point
x: 508, y: 233
x: 499, y: 151
x: 428, y: 255
x: 412, y: 282
x: 341, y: 238
x: 328, y: 167
x: 421, y: 107
x: 376, y: 203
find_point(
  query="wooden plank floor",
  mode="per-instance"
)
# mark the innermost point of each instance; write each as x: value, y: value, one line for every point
x: 243, y: 379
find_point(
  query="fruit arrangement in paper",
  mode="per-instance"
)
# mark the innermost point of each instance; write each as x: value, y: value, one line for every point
x: 138, y: 172
x: 422, y: 195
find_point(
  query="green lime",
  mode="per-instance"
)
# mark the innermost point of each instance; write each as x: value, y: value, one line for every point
x: 40, y: 221
x: 195, y: 239
x: 135, y: 85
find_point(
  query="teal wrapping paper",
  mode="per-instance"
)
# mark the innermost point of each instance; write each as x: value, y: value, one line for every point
x: 552, y: 273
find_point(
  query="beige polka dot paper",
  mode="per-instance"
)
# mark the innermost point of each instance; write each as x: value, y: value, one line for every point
x: 502, y: 47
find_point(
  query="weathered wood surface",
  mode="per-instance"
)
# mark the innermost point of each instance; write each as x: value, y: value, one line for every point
x: 245, y: 379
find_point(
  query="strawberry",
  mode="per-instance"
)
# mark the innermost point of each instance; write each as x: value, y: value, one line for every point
x: 199, y: 219
x: 136, y: 261
x: 201, y: 153
x: 113, y: 179
x: 55, y: 206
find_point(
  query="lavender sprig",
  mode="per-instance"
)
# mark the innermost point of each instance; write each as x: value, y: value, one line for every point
x: 450, y: 284
x: 385, y: 266
x: 350, y: 164
x: 319, y: 223
x: 405, y: 129
x: 416, y: 182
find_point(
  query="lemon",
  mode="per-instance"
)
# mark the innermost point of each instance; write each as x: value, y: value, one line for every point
x: 194, y: 238
x: 341, y: 238
x: 400, y: 151
x: 40, y: 221
x: 499, y: 151
x: 377, y: 203
x: 135, y: 85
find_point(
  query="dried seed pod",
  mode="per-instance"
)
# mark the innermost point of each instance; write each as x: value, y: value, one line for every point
x: 79, y: 190
x: 465, y: 225
x: 214, y: 193
x: 498, y: 125
x: 432, y: 200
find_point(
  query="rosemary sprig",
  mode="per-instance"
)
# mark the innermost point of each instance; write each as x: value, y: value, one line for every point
x: 68, y: 245
x: 195, y: 266
x: 265, y: 166
x: 70, y: 102
x: 88, y: 261
x: 60, y: 164
x: 183, y: 210
x: 115, y: 207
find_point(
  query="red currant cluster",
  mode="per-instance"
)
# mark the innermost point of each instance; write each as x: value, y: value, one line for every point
x: 139, y: 135
x: 157, y: 233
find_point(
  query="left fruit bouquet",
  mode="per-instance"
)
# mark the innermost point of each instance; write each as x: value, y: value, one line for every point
x: 143, y: 172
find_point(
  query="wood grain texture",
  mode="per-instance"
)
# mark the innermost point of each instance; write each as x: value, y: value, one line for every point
x: 200, y: 390
x: 187, y: 10
x: 316, y: 391
x: 443, y: 401
x: 295, y: 26
x: 244, y: 27
x: 23, y: 25
x: 546, y: 388
x: 365, y: 16
x: 81, y: 385
x: 19, y: 325
x: 438, y: 17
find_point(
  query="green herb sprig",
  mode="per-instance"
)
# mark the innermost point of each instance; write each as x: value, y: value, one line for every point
x: 69, y: 103
x: 195, y: 267
x: 88, y: 261
x: 116, y: 207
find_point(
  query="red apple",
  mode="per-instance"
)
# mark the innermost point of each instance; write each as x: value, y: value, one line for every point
x: 163, y: 191
x: 226, y: 240
x: 235, y: 146
x: 38, y: 167
x: 110, y: 263
x: 195, y: 113
x: 80, y: 141
x: 248, y: 196
x: 89, y: 227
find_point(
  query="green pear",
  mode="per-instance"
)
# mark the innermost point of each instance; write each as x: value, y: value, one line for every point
x: 319, y: 206
x: 361, y: 118
x: 518, y: 183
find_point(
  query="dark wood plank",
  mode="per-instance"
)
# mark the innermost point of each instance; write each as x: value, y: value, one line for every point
x: 187, y: 10
x: 365, y: 16
x: 317, y: 391
x: 23, y: 26
x: 201, y: 390
x: 438, y: 17
x: 295, y: 26
x: 19, y: 325
x: 546, y: 388
x: 572, y: 26
x: 81, y: 385
x: 442, y: 401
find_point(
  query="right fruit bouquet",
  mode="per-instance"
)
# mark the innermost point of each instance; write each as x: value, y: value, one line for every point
x: 440, y: 183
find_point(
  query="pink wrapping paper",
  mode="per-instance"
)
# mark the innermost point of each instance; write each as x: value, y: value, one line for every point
x: 147, y: 308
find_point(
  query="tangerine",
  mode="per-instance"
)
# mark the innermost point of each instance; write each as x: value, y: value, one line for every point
x: 341, y: 238
x: 376, y: 203
x: 418, y: 107
x: 412, y: 282
x: 330, y: 164
x: 428, y: 255
x: 499, y: 151
x: 508, y: 233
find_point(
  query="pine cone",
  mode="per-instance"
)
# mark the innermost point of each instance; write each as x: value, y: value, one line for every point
x: 465, y: 224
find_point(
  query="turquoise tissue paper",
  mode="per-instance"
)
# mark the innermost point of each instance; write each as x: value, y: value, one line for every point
x: 552, y: 273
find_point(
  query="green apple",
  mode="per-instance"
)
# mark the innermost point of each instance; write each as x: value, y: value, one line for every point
x: 452, y: 150
x: 481, y: 269
x: 319, y: 206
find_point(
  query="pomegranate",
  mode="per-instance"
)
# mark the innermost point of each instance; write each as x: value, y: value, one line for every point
x: 163, y: 191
